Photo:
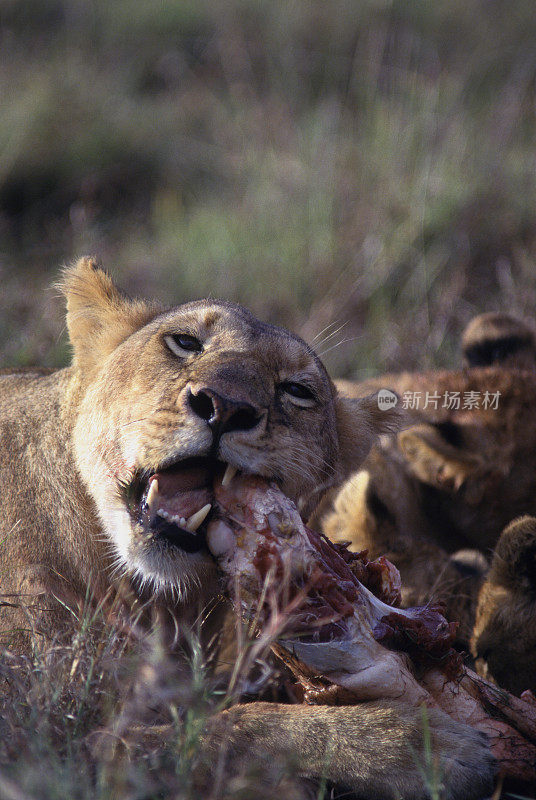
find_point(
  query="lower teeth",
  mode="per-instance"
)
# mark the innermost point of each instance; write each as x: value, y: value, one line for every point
x: 192, y: 523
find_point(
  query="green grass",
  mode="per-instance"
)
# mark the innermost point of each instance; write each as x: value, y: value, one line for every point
x: 360, y: 163
x: 108, y: 714
x: 74, y: 717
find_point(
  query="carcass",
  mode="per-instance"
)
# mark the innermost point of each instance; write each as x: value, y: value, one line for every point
x: 335, y: 621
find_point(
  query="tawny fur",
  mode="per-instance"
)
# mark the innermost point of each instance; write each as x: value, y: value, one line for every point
x: 474, y: 470
x: 68, y: 440
x: 499, y: 339
x: 436, y: 498
x: 504, y: 635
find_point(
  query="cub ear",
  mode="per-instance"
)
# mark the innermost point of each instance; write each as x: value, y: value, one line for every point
x: 99, y: 315
x: 360, y: 421
x: 435, y: 458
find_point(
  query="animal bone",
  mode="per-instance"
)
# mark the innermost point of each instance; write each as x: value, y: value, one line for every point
x: 333, y: 628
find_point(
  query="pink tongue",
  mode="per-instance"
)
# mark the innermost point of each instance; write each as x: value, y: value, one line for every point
x: 182, y: 493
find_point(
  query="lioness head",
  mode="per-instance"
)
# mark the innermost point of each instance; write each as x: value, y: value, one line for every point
x: 167, y: 399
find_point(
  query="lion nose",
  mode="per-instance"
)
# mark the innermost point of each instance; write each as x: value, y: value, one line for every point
x: 221, y: 414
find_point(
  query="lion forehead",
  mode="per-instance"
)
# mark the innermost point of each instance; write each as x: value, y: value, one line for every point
x: 232, y: 328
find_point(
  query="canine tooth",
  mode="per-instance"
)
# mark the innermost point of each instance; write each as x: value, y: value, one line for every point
x: 229, y: 474
x: 193, y: 522
x: 151, y: 495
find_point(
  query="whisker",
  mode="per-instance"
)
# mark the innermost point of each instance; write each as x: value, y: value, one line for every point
x: 332, y: 334
x: 328, y: 326
x: 301, y: 450
x: 342, y: 341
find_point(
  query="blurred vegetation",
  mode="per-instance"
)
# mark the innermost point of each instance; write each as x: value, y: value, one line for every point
x: 75, y: 720
x: 363, y: 168
x: 366, y: 165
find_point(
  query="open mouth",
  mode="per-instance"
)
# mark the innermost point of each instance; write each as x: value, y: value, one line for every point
x: 174, y: 504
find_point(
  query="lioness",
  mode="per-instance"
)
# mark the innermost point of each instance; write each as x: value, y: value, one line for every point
x: 177, y: 394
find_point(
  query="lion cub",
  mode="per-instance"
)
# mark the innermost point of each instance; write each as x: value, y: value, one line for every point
x: 504, y: 635
x: 436, y: 498
x: 107, y: 469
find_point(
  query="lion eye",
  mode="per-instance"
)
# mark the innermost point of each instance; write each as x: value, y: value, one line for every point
x: 182, y: 344
x: 299, y: 394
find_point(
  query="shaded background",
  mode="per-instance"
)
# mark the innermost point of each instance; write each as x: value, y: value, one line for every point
x: 368, y: 166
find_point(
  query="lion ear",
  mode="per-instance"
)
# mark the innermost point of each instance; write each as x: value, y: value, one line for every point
x: 360, y: 421
x: 99, y: 315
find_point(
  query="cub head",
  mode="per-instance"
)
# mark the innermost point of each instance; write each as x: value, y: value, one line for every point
x: 501, y: 340
x: 167, y: 399
x: 504, y: 635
